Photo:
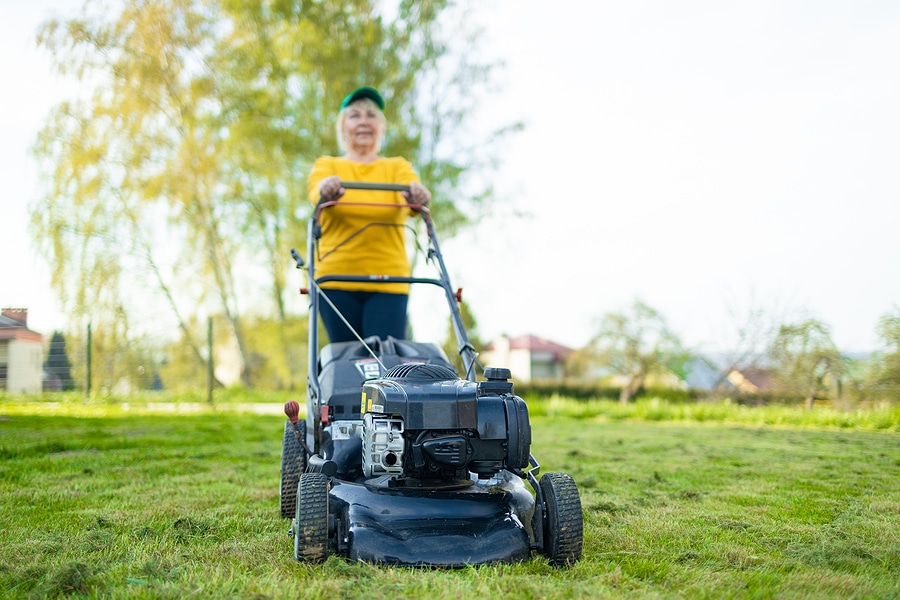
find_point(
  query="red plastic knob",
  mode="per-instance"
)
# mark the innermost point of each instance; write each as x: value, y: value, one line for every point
x: 292, y: 410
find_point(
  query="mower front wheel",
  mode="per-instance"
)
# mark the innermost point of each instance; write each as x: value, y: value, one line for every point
x: 563, y: 521
x: 311, y: 522
x: 293, y: 463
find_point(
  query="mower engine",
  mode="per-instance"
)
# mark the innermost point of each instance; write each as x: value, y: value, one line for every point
x: 422, y: 422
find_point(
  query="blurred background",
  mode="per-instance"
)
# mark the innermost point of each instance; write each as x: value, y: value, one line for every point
x: 713, y: 182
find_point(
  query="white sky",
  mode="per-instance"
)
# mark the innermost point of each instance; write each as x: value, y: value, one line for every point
x: 698, y: 155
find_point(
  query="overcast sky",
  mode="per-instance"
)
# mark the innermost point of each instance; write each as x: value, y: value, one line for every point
x: 702, y: 156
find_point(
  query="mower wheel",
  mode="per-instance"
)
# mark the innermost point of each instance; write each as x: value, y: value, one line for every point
x: 293, y: 462
x: 563, y: 521
x: 311, y: 523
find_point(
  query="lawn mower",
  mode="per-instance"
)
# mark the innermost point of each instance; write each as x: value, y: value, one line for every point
x: 401, y: 461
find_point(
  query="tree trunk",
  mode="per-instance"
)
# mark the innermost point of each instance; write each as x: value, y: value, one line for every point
x: 631, y: 388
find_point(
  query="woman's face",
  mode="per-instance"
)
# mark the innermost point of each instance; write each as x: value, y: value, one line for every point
x: 363, y: 126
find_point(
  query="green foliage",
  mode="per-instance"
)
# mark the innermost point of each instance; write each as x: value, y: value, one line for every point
x: 818, y: 371
x: 273, y: 367
x: 805, y: 359
x: 633, y: 344
x: 183, y: 369
x: 115, y: 367
x: 276, y: 355
x: 885, y: 375
x: 595, y: 389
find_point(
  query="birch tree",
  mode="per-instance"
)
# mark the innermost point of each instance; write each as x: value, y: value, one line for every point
x: 180, y: 180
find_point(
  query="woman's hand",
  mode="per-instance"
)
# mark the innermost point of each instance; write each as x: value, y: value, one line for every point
x: 330, y: 189
x: 418, y: 194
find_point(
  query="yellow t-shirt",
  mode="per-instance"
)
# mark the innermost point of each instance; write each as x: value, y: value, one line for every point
x: 353, y: 241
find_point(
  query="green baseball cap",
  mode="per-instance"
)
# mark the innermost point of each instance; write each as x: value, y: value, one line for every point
x: 364, y: 92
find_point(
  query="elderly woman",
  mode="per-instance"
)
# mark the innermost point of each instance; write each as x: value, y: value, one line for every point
x: 354, y: 240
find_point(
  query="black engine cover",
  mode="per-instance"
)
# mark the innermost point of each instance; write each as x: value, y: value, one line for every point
x: 452, y: 425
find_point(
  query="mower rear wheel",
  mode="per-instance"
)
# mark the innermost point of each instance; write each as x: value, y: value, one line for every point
x: 563, y: 521
x: 293, y: 463
x: 311, y: 522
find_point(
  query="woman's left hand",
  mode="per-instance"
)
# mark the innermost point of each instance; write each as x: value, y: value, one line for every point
x: 418, y: 194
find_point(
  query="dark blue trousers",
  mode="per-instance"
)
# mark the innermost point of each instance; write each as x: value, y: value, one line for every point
x: 369, y: 313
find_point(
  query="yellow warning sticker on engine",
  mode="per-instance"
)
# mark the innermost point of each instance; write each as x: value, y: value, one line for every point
x: 365, y: 404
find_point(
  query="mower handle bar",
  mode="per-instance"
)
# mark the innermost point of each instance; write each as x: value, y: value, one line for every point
x: 443, y: 282
x: 377, y: 187
x: 380, y: 187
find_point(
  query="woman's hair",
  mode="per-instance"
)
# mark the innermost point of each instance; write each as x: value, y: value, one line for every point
x: 368, y: 104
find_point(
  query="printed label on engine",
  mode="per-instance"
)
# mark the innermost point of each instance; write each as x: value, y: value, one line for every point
x: 366, y: 404
x: 369, y: 368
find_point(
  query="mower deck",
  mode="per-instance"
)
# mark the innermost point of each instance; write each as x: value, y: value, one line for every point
x: 482, y: 523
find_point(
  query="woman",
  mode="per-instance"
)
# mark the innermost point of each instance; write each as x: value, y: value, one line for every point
x: 355, y: 240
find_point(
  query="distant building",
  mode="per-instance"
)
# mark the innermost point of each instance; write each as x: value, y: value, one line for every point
x: 529, y: 357
x: 751, y: 380
x: 21, y: 353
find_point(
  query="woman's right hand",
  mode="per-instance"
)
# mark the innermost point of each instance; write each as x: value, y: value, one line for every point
x: 330, y: 188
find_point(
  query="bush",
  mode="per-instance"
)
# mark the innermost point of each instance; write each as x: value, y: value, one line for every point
x: 596, y: 390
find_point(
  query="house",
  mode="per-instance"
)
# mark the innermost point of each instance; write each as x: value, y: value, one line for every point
x: 529, y: 357
x: 21, y: 353
x: 751, y: 380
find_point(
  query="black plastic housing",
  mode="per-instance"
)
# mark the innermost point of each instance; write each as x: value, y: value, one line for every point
x: 452, y: 425
x: 344, y: 366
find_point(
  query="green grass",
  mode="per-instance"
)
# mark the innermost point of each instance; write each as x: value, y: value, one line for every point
x: 884, y: 417
x: 107, y: 502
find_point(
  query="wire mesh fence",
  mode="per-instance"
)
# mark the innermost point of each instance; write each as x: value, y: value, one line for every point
x: 264, y: 354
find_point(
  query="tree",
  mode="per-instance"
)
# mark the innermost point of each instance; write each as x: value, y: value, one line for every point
x: 634, y: 344
x: 180, y: 180
x: 885, y: 379
x: 58, y: 364
x: 805, y: 358
x: 134, y: 169
x: 747, y: 338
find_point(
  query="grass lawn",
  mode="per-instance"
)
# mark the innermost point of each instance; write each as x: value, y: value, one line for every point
x: 174, y: 506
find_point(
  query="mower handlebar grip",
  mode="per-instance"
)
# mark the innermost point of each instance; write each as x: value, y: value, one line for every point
x: 381, y: 187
